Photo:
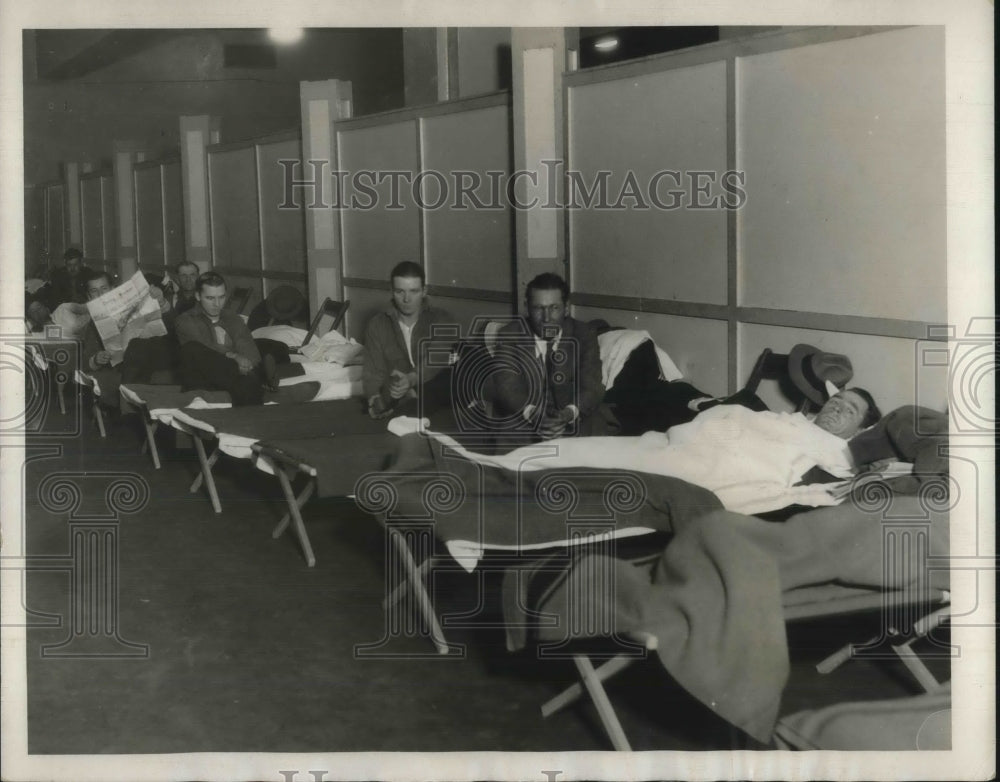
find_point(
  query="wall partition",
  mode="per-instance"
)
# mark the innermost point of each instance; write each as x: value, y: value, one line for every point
x: 159, y: 214
x: 257, y: 232
x: 420, y: 184
x: 97, y: 220
x: 788, y: 187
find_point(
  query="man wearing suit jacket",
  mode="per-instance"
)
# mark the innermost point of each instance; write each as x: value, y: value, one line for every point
x: 548, y: 368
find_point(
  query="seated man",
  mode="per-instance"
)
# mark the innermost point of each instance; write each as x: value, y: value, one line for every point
x: 753, y: 461
x: 143, y: 356
x: 548, y: 368
x: 182, y: 297
x: 69, y: 282
x: 395, y: 374
x: 218, y: 353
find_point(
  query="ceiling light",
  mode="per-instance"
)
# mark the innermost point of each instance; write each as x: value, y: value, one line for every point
x: 606, y: 44
x: 285, y: 35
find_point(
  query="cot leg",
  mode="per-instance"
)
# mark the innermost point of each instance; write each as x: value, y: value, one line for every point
x: 297, y: 524
x: 99, y: 419
x: 573, y: 693
x: 917, y: 667
x: 415, y: 578
x: 403, y: 587
x: 301, y: 500
x: 206, y: 470
x: 151, y: 442
x: 60, y: 388
x: 196, y: 484
x: 604, y: 708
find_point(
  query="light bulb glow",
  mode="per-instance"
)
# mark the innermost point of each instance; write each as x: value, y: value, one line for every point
x: 285, y: 35
x: 606, y: 44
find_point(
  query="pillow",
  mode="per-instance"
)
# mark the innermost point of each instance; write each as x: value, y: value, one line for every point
x: 291, y: 336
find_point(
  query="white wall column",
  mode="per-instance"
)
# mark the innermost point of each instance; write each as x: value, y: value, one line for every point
x: 126, y: 155
x: 323, y: 103
x: 197, y: 132
x: 538, y: 58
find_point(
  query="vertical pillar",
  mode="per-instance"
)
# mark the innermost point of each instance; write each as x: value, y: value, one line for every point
x: 446, y: 40
x: 312, y: 185
x: 126, y: 155
x: 197, y: 132
x: 538, y: 60
x: 71, y: 183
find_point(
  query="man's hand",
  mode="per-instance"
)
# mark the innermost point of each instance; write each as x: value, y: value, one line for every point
x: 245, y: 365
x: 158, y: 297
x: 552, y: 426
x: 102, y: 358
x: 399, y: 384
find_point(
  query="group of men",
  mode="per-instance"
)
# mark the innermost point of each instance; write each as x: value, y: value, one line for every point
x: 545, y: 379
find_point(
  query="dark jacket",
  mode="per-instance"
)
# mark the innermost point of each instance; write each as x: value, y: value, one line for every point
x: 571, y: 377
x: 194, y: 326
x: 385, y: 349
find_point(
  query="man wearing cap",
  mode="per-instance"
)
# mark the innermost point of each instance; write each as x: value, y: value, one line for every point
x: 396, y: 371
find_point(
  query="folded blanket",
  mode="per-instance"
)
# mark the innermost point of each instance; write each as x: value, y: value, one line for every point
x: 617, y: 345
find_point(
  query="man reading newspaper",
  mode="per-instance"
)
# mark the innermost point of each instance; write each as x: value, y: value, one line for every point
x: 131, y: 310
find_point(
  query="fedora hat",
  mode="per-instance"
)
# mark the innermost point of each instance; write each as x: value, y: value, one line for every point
x: 811, y: 368
x: 284, y: 303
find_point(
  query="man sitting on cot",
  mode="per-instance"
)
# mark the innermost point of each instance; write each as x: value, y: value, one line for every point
x: 151, y: 352
x: 217, y: 352
x: 752, y: 460
x: 396, y: 371
x: 548, y: 380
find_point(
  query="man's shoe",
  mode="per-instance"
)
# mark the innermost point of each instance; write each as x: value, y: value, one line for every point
x: 300, y: 392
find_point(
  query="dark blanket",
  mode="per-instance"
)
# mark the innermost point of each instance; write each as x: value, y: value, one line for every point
x: 340, y: 461
x: 164, y: 397
x: 493, y: 506
x: 287, y: 422
x: 714, y: 599
x: 912, y: 434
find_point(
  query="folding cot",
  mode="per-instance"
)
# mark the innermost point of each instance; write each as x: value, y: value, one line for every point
x: 823, y: 562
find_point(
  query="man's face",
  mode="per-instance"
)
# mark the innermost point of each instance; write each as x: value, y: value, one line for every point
x: 97, y: 287
x: 546, y: 312
x: 212, y: 299
x: 72, y: 266
x: 842, y: 414
x: 407, y: 295
x: 187, y: 277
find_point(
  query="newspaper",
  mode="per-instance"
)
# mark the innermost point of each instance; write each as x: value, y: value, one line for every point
x: 125, y: 313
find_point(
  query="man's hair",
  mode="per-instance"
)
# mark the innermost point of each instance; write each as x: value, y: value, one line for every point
x: 547, y: 281
x: 211, y: 279
x: 408, y: 269
x: 97, y: 275
x: 72, y: 252
x: 874, y: 415
x: 182, y: 264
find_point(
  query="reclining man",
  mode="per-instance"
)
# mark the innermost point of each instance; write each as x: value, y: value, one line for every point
x: 753, y: 461
x: 396, y: 373
x: 548, y: 369
x: 217, y: 352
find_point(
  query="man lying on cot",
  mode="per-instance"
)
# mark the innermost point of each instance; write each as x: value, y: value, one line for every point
x: 752, y: 460
x: 217, y: 352
x: 396, y: 371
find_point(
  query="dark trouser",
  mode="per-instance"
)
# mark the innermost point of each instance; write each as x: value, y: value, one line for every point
x: 274, y: 348
x: 144, y: 357
x: 200, y: 367
x: 108, y: 380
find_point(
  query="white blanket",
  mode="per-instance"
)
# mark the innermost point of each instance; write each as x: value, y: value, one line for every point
x: 617, y: 345
x: 751, y: 461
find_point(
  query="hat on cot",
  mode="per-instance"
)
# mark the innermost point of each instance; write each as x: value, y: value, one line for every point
x: 284, y: 302
x: 810, y: 369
